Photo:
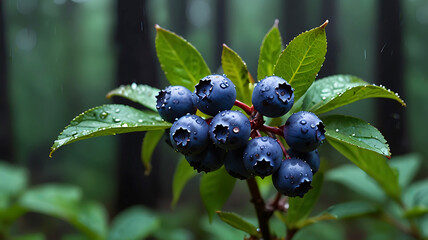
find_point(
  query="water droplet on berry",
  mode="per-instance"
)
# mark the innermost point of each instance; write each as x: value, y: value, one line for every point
x: 175, y: 101
x: 268, y: 153
x: 303, y: 122
x: 235, y: 130
x: 304, y: 130
x: 312, y: 125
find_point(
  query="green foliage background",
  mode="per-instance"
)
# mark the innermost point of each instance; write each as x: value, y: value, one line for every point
x: 62, y: 57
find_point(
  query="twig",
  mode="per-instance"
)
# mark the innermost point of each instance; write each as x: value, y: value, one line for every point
x: 259, y: 204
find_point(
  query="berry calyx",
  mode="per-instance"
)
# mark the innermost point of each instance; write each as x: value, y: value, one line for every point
x: 304, y: 131
x: 262, y: 156
x: 189, y: 135
x: 230, y: 130
x: 293, y: 178
x: 273, y: 96
x: 174, y: 102
x: 214, y: 93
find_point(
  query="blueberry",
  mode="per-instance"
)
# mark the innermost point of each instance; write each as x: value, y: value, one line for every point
x: 273, y: 96
x: 311, y: 158
x: 234, y: 164
x: 304, y: 131
x: 174, y: 102
x: 230, y: 130
x: 210, y: 159
x: 262, y: 156
x: 189, y: 135
x: 293, y: 177
x: 214, y: 93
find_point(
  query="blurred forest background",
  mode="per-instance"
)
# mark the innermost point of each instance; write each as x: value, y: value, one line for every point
x: 59, y: 58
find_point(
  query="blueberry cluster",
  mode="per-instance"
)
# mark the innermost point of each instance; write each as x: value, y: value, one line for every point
x: 232, y: 139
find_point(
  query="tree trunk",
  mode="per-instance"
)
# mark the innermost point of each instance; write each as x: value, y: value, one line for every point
x: 391, y: 117
x: 329, y: 12
x: 295, y: 19
x: 220, y: 31
x: 6, y: 150
x: 136, y: 63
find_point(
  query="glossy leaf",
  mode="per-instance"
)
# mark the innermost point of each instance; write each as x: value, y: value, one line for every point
x: 183, y: 173
x: 356, y: 150
x: 13, y: 179
x: 269, y: 52
x: 215, y: 188
x: 356, y: 132
x: 300, y: 208
x: 181, y: 62
x: 417, y: 211
x: 133, y: 224
x: 106, y: 120
x: 356, y: 180
x: 53, y: 199
x: 335, y: 91
x: 91, y: 219
x: 150, y: 141
x: 302, y: 59
x: 139, y: 93
x: 236, y: 70
x: 238, y: 222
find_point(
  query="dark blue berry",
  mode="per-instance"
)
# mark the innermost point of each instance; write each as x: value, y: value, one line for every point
x: 230, y: 130
x: 311, y: 158
x: 273, y: 96
x: 212, y: 158
x: 262, y: 156
x: 189, y: 135
x: 174, y: 102
x: 304, y: 131
x: 234, y: 164
x: 214, y: 93
x: 293, y: 177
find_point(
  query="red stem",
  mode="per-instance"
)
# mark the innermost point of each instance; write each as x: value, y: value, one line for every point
x: 247, y: 109
x: 274, y: 130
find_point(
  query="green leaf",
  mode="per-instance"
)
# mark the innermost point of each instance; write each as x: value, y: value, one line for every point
x: 416, y: 195
x: 52, y: 199
x: 407, y: 167
x: 150, y: 141
x: 139, y: 93
x: 417, y: 211
x: 357, y: 180
x: 302, y: 59
x: 181, y: 62
x: 215, y: 189
x: 236, y: 71
x: 31, y: 236
x: 13, y: 179
x: 300, y: 208
x: 269, y: 52
x: 335, y: 91
x: 356, y: 149
x: 133, y: 224
x: 351, y: 209
x: 238, y: 222
x: 355, y: 132
x: 183, y: 173
x: 106, y: 120
x: 91, y: 219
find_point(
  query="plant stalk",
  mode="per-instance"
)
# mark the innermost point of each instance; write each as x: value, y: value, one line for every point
x: 259, y: 204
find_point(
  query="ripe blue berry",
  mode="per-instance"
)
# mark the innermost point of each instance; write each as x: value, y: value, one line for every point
x: 214, y: 93
x: 234, y: 164
x: 262, y: 156
x: 212, y: 158
x: 230, y: 130
x: 311, y: 158
x: 174, y: 102
x: 304, y: 131
x: 293, y: 178
x: 189, y: 135
x: 273, y: 96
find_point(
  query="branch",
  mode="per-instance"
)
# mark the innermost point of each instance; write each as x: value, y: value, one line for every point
x: 259, y: 204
